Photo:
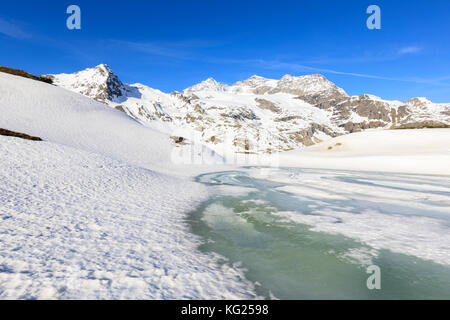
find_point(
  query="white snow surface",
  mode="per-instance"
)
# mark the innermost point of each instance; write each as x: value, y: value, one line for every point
x: 89, y: 213
x: 78, y: 225
x: 417, y: 151
x: 58, y: 115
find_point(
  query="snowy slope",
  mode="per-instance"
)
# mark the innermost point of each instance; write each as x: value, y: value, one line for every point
x: 257, y: 115
x: 60, y: 116
x: 88, y: 214
x: 78, y: 225
x: 420, y: 151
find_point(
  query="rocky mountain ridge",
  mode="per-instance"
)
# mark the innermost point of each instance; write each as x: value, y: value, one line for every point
x: 256, y: 115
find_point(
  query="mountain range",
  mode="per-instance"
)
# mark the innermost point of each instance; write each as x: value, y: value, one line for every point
x: 257, y: 115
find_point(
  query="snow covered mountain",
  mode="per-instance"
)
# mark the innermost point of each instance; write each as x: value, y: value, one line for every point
x: 257, y: 115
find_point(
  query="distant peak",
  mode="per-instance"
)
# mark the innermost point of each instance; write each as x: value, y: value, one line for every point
x: 101, y: 69
x: 256, y: 77
x: 286, y: 76
x: 210, y: 80
x: 419, y: 101
x: 317, y: 75
x: 209, y: 84
x: 253, y: 81
x: 102, y: 66
x: 308, y: 84
x: 308, y: 76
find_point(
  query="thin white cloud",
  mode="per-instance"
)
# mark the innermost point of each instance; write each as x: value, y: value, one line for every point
x: 184, y: 49
x: 409, y: 50
x: 12, y: 30
x: 296, y: 67
x: 150, y: 48
x: 389, y: 54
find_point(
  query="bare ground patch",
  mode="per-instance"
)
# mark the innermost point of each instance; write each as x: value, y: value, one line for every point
x: 24, y: 74
x: 8, y: 133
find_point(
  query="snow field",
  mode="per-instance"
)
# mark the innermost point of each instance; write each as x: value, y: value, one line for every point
x: 77, y: 225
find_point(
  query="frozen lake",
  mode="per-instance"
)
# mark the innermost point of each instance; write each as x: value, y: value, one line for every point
x: 311, y: 234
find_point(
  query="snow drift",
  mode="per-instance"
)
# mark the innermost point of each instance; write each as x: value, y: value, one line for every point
x: 419, y: 151
x: 83, y: 217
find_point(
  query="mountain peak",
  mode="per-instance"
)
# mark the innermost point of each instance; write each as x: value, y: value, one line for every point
x: 103, y: 67
x: 308, y: 84
x: 256, y: 77
x: 209, y: 84
x: 287, y: 76
x: 308, y: 77
x: 210, y: 80
x: 99, y: 83
x: 254, y: 82
x: 257, y: 114
x: 419, y: 101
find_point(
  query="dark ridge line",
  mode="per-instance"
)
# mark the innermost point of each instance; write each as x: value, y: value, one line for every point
x: 24, y: 74
x: 8, y: 133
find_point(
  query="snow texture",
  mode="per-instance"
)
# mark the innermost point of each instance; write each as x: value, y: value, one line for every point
x: 86, y: 215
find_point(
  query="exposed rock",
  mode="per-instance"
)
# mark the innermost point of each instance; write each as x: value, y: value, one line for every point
x: 422, y: 125
x: 303, y: 110
x: 180, y: 140
x: 21, y: 73
x: 120, y: 108
x: 8, y: 133
x: 267, y: 105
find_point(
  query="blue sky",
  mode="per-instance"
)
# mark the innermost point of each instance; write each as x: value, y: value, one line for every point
x: 171, y: 45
